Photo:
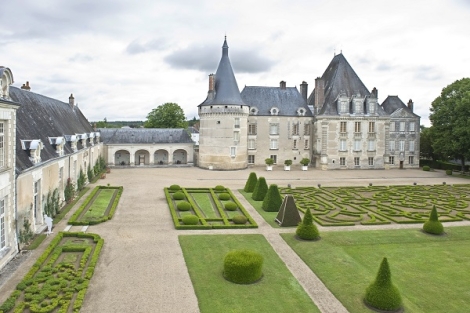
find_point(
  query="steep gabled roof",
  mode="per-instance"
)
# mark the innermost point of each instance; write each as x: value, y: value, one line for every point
x: 40, y: 117
x: 393, y: 103
x: 226, y: 87
x: 287, y: 100
x: 144, y: 135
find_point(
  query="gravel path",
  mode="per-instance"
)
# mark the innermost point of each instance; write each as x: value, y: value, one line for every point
x: 141, y: 267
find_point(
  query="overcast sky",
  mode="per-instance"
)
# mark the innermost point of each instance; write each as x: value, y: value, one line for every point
x: 121, y: 58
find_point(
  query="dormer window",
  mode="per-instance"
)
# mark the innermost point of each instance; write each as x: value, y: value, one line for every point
x: 92, y: 138
x: 358, y: 107
x: 58, y: 143
x: 301, y: 111
x: 33, y: 148
x: 82, y: 139
x: 274, y: 111
x: 73, y: 141
x: 254, y: 111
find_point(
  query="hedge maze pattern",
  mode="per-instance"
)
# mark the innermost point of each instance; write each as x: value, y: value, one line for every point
x: 375, y: 205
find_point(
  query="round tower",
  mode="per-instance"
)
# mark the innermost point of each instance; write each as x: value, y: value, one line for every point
x: 223, y: 121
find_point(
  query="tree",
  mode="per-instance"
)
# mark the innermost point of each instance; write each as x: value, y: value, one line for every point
x: 425, y: 144
x: 167, y: 115
x: 450, y: 129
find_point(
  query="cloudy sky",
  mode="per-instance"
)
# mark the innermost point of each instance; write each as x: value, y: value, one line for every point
x: 123, y: 58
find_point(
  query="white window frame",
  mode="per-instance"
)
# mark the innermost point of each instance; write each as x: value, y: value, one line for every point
x: 2, y: 144
x: 274, y: 157
x: 371, y: 127
x: 402, y: 126
x: 411, y: 147
x: 306, y: 144
x: 252, y: 128
x: 371, y: 161
x: 371, y: 145
x: 237, y: 122
x: 357, y: 127
x: 357, y: 145
x: 294, y: 145
x: 372, y: 108
x: 342, y: 145
x: 342, y: 161
x: 274, y: 129
x: 251, y: 159
x: 236, y: 136
x: 343, y: 127
x: 251, y: 144
x: 343, y: 107
x: 391, y: 160
x: 357, y: 161
x: 358, y: 109
x: 411, y: 160
x: 306, y: 129
x: 273, y: 144
x: 392, y: 126
x: 392, y: 145
x: 401, y: 144
x: 3, y: 238
x: 295, y: 129
x: 233, y: 151
x: 412, y: 126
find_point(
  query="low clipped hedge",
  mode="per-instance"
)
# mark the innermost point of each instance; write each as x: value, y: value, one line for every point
x: 426, y: 168
x: 449, y: 172
x: 239, y: 219
x: 190, y: 219
x: 183, y: 206
x: 243, y: 266
x: 231, y: 206
x: 224, y: 196
x: 178, y: 195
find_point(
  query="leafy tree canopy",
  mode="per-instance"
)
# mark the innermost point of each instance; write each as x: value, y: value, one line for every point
x: 167, y: 115
x: 450, y: 131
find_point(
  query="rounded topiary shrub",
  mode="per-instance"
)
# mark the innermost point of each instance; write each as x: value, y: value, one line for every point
x: 175, y: 187
x: 178, y: 195
x: 219, y: 188
x: 239, y: 219
x: 273, y: 200
x: 224, y: 196
x: 251, y: 182
x: 306, y: 229
x: 190, y: 219
x: 243, y: 266
x: 183, y: 206
x: 449, y: 172
x: 433, y: 226
x: 260, y: 190
x: 382, y: 294
x: 426, y: 168
x: 231, y: 206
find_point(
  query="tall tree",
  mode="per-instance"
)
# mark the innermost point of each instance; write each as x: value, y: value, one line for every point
x: 450, y: 113
x: 425, y: 144
x: 167, y: 115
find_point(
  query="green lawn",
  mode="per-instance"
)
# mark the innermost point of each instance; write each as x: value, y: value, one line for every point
x: 278, y: 290
x: 430, y: 271
x: 100, y: 204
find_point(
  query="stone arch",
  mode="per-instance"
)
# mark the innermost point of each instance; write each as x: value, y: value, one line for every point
x: 160, y: 157
x: 180, y: 156
x: 142, y: 157
x: 122, y: 157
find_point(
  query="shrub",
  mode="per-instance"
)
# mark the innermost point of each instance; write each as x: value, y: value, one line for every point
x: 239, y: 219
x: 243, y: 266
x: 174, y: 187
x: 219, y: 188
x: 178, y: 195
x: 306, y: 229
x: 288, y: 162
x: 269, y: 161
x: 251, y: 182
x: 449, y: 172
x: 433, y: 226
x: 382, y: 294
x: 260, y: 190
x: 190, y: 219
x: 426, y: 168
x: 224, y: 196
x: 273, y: 200
x: 305, y: 161
x: 231, y: 206
x: 183, y: 206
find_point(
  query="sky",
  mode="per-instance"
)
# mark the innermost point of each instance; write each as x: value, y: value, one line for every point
x: 122, y: 58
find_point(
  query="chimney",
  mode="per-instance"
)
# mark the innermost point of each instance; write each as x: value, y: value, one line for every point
x: 282, y: 85
x: 375, y: 93
x: 304, y: 90
x: 211, y: 83
x: 71, y: 100
x: 26, y: 86
x: 410, y: 105
x: 319, y: 92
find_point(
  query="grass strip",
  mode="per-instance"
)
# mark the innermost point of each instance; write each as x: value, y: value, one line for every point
x: 36, y: 242
x: 69, y: 206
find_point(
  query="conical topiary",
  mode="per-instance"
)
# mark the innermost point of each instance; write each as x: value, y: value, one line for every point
x: 433, y: 226
x: 273, y: 200
x: 251, y: 182
x: 306, y: 229
x: 382, y: 294
x: 260, y: 190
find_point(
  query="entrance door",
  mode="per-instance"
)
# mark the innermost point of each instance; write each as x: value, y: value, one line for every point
x: 141, y: 159
x: 401, y: 165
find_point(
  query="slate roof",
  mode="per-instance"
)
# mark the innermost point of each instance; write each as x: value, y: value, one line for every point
x: 40, y: 117
x: 393, y: 103
x: 144, y: 135
x: 226, y: 87
x: 287, y: 100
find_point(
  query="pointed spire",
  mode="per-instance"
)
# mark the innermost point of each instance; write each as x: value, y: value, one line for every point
x: 225, y: 47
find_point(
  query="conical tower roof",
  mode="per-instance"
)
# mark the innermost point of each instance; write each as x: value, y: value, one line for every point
x: 226, y: 87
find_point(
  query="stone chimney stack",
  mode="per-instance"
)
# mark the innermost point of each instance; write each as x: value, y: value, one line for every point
x: 375, y: 93
x: 26, y: 86
x: 304, y: 90
x: 71, y: 101
x: 410, y: 105
x: 282, y: 85
x: 319, y: 93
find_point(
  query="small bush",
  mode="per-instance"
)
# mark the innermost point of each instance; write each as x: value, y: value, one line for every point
x: 272, y: 201
x: 224, y: 196
x: 449, y: 172
x: 239, y: 219
x: 382, y: 294
x: 426, y: 168
x: 243, y: 266
x: 174, y: 187
x: 251, y: 182
x: 306, y: 229
x: 178, y: 195
x: 219, y: 188
x: 260, y: 190
x: 433, y: 226
x: 183, y: 206
x: 231, y: 206
x: 190, y: 219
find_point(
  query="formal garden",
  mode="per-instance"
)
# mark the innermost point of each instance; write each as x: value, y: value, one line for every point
x: 206, y: 208
x: 58, y: 281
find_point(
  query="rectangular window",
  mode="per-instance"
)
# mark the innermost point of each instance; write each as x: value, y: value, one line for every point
x: 342, y: 127
x: 274, y: 129
x: 306, y: 146
x: 251, y: 129
x: 402, y: 126
x: 412, y: 126
x: 237, y: 122
x: 236, y: 136
x: 342, y: 161
x: 233, y: 151
x: 402, y: 145
x: 357, y: 145
x: 251, y: 144
x: 392, y: 145
x: 295, y: 129
x: 371, y: 127
x: 2, y: 145
x: 411, y: 160
x: 358, y: 107
x: 371, y: 145
x: 356, y: 161
x: 371, y: 161
x: 306, y: 129
x: 412, y: 145
x: 295, y: 145
x: 251, y: 159
x: 372, y: 108
x: 391, y: 160
x: 274, y: 157
x: 273, y: 144
x: 2, y: 224
x: 357, y: 127
x: 392, y: 126
x: 342, y: 145
x: 344, y: 107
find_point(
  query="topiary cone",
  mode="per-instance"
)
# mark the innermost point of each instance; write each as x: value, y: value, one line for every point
x: 272, y: 201
x: 251, y: 182
x: 306, y: 229
x: 433, y: 226
x: 382, y: 294
x: 260, y: 190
